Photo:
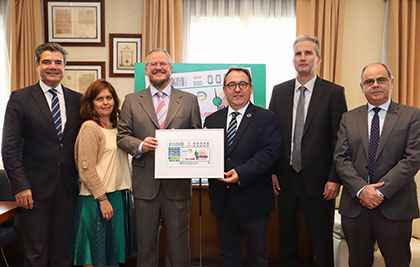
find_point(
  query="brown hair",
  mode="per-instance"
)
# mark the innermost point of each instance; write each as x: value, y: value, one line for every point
x: 87, y: 111
x: 52, y: 47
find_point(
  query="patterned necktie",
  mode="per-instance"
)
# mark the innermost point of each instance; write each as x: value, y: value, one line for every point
x: 161, y: 111
x: 232, y: 128
x: 373, y: 144
x: 297, y: 137
x: 55, y: 110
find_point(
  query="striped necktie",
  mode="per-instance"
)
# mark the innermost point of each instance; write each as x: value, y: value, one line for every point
x: 161, y: 110
x: 55, y: 110
x: 232, y: 128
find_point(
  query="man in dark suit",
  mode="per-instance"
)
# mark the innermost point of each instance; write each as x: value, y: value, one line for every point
x: 40, y: 128
x: 160, y: 106
x: 377, y: 156
x: 243, y: 199
x: 309, y: 110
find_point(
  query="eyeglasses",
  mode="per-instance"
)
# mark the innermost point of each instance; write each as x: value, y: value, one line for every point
x: 380, y: 80
x: 242, y: 85
x: 155, y: 64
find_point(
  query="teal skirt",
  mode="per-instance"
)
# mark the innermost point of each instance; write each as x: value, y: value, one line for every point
x: 101, y: 243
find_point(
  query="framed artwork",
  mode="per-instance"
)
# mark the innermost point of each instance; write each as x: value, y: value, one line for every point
x: 124, y: 52
x: 78, y: 75
x: 75, y: 23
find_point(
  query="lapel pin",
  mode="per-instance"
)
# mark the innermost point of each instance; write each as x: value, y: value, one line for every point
x: 248, y: 115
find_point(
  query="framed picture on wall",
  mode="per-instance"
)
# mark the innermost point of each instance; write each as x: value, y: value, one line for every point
x: 124, y: 52
x: 75, y: 23
x: 78, y: 75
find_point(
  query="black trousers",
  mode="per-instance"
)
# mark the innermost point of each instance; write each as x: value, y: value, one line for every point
x: 393, y: 239
x: 319, y: 215
x: 47, y: 229
x: 232, y: 231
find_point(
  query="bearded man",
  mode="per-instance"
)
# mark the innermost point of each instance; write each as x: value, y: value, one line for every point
x: 160, y: 106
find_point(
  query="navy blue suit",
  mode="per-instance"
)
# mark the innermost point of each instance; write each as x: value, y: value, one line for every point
x: 246, y: 204
x: 34, y: 158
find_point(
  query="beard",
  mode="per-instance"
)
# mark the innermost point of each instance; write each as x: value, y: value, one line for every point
x: 159, y: 83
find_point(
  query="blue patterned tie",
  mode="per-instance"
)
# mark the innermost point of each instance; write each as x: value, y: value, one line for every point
x: 56, y: 114
x: 232, y: 128
x: 373, y: 144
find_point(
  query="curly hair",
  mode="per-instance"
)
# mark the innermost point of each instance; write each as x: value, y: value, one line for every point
x: 87, y: 110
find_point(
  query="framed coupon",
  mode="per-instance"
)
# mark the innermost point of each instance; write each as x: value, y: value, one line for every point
x: 75, y: 23
x: 189, y: 153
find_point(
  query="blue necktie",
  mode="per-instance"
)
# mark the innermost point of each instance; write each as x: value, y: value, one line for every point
x: 373, y: 144
x: 56, y: 114
x: 232, y: 128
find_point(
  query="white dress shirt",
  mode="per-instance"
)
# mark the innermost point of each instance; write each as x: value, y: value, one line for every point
x: 382, y: 115
x: 238, y: 117
x: 308, y: 94
x: 60, y: 95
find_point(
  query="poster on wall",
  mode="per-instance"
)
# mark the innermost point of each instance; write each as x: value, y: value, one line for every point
x: 206, y: 82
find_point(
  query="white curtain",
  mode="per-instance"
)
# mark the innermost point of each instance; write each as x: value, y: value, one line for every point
x: 242, y: 31
x: 4, y: 62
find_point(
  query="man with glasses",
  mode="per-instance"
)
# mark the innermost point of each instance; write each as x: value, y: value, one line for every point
x: 242, y: 200
x: 377, y: 155
x: 160, y: 106
x: 309, y: 110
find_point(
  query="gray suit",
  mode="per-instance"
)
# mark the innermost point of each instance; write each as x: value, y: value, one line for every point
x: 397, y: 161
x: 137, y: 121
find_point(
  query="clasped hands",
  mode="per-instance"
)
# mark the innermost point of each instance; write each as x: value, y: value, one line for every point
x: 369, y: 196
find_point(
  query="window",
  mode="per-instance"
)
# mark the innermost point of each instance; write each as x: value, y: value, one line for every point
x: 255, y: 32
x: 242, y: 31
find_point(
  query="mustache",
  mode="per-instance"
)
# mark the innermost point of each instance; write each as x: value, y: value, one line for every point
x: 159, y: 71
x: 377, y: 89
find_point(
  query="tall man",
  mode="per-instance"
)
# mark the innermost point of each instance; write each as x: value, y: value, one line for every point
x: 309, y: 110
x: 40, y: 128
x: 243, y: 199
x: 377, y: 156
x: 160, y: 106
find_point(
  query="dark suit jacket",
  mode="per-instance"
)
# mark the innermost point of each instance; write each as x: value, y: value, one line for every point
x: 137, y: 121
x: 254, y: 152
x: 397, y: 160
x: 32, y: 153
x: 326, y: 106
